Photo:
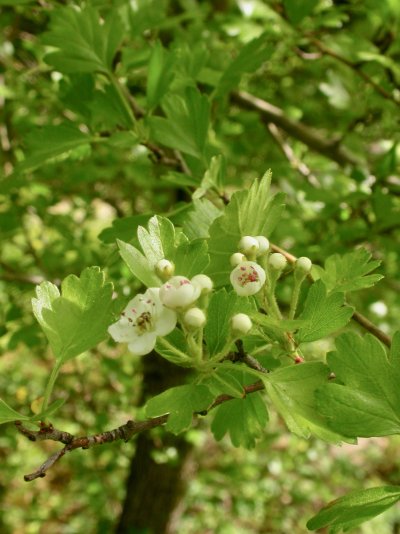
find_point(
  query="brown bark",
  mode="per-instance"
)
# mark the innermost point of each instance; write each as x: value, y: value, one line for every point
x: 154, y: 490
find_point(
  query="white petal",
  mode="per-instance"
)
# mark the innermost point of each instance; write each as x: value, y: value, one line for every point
x: 122, y: 331
x: 143, y: 344
x: 166, y: 322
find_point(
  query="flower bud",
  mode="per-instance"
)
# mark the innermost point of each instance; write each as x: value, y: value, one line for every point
x: 241, y: 323
x: 303, y: 264
x: 263, y: 243
x: 165, y: 269
x: 204, y: 282
x: 248, y: 245
x: 179, y: 292
x: 247, y: 278
x: 194, y: 318
x: 237, y: 258
x: 277, y: 261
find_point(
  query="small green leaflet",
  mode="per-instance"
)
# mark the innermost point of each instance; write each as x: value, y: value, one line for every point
x: 354, y: 508
x: 84, y: 45
x: 160, y: 74
x: 292, y: 389
x: 349, y: 272
x: 213, y: 178
x: 138, y: 264
x: 171, y: 345
x: 250, y: 212
x: 186, y: 125
x: 221, y: 308
x: 7, y: 414
x: 198, y: 221
x: 180, y: 403
x: 299, y: 9
x: 224, y: 381
x: 76, y: 320
x: 158, y: 241
x: 249, y: 59
x: 275, y: 328
x: 244, y: 420
x: 366, y: 402
x: 325, y: 314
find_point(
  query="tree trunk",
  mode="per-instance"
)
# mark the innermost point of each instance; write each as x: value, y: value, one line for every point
x: 153, y: 490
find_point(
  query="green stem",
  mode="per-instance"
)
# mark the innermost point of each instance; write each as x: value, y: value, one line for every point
x: 50, y: 385
x: 123, y: 99
x: 294, y: 300
x: 173, y: 349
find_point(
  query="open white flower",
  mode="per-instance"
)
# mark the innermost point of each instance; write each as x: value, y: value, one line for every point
x: 247, y: 278
x: 143, y: 319
x: 179, y: 292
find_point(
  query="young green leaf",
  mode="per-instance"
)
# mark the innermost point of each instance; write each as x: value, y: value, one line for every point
x: 180, y: 403
x: 191, y: 258
x: 349, y: 272
x: 244, y: 420
x: 224, y: 381
x: 325, y: 314
x: 83, y: 43
x: 138, y: 264
x: 250, y: 212
x: 354, y: 508
x: 158, y: 241
x: 198, y: 221
x: 160, y: 74
x: 292, y: 389
x: 7, y: 414
x: 367, y: 401
x: 76, y: 320
x: 221, y: 308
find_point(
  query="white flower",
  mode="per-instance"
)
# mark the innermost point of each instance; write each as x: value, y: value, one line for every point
x: 194, y: 318
x: 237, y: 258
x: 204, y: 282
x: 248, y: 245
x: 179, y: 292
x: 304, y: 264
x: 263, y: 245
x: 241, y: 323
x: 247, y: 278
x: 143, y: 319
x: 277, y: 261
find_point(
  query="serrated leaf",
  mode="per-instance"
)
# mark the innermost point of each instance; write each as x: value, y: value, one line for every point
x: 50, y: 142
x: 221, y: 308
x: 367, y: 403
x: 325, y: 314
x: 160, y: 74
x: 275, y: 328
x: 186, y: 125
x: 191, y: 258
x: 292, y: 389
x: 350, y: 272
x: 213, y: 178
x: 244, y: 420
x: 76, y: 320
x: 250, y: 212
x: 249, y: 59
x: 138, y: 264
x: 198, y: 221
x: 180, y: 403
x: 83, y: 43
x: 224, y: 381
x: 158, y: 241
x: 354, y: 508
x: 8, y: 414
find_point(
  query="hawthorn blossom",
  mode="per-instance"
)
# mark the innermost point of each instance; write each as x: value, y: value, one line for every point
x: 143, y: 319
x: 247, y: 278
x: 179, y: 292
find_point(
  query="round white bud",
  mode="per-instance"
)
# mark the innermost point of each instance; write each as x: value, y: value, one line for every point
x: 241, y: 323
x: 179, y: 292
x: 263, y: 243
x: 277, y: 261
x: 165, y: 269
x: 303, y: 264
x: 248, y: 245
x: 204, y: 282
x: 194, y: 318
x: 237, y: 258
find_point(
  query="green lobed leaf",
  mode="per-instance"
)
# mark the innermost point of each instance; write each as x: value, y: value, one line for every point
x: 8, y: 414
x: 224, y: 381
x: 138, y: 264
x: 180, y: 403
x: 158, y: 241
x: 366, y: 402
x: 198, y: 221
x: 292, y: 389
x: 350, y: 272
x: 250, y: 212
x: 191, y: 258
x: 76, y: 320
x: 222, y: 307
x: 354, y: 508
x: 325, y: 314
x: 160, y: 74
x: 244, y: 420
x: 299, y: 9
x: 83, y: 43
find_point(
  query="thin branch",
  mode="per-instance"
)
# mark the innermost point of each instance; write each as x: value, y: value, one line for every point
x: 357, y: 316
x: 313, y: 139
